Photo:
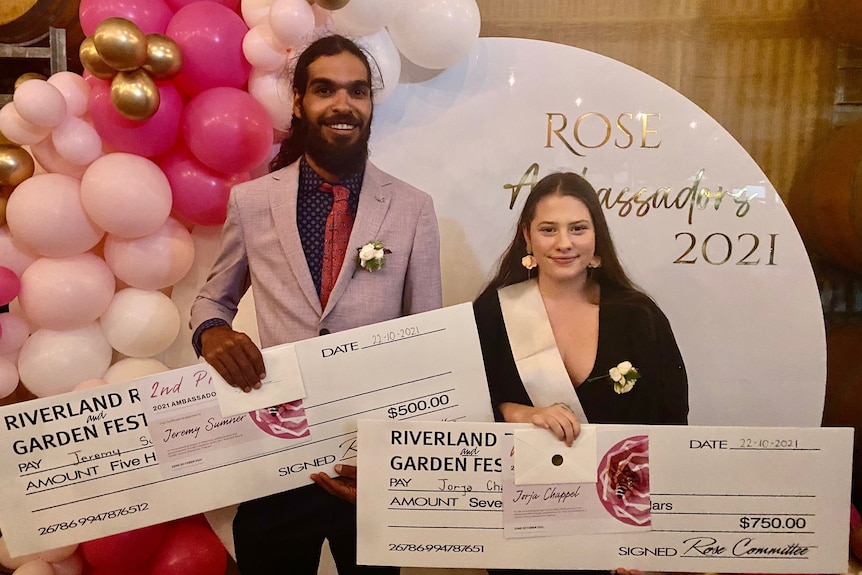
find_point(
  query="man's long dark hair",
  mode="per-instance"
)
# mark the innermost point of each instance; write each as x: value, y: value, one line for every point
x: 611, y: 273
x: 294, y: 145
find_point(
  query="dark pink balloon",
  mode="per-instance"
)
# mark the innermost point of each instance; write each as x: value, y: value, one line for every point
x: 149, y: 138
x: 151, y: 16
x: 200, y: 194
x: 210, y: 37
x: 10, y: 285
x: 190, y: 549
x: 132, y: 548
x: 227, y: 130
x: 177, y: 4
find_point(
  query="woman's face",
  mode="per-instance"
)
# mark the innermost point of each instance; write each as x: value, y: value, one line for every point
x: 562, y: 238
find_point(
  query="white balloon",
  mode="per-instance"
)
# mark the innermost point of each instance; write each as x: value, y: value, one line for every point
x: 19, y: 130
x: 152, y: 262
x: 75, y: 90
x: 127, y: 195
x: 8, y: 377
x: 77, y: 141
x: 90, y: 384
x: 273, y: 91
x: 255, y: 12
x: 53, y: 362
x: 388, y: 60
x: 40, y: 103
x: 140, y: 323
x: 13, y: 253
x: 45, y: 213
x: 133, y: 368
x: 322, y: 18
x: 263, y: 50
x: 292, y: 21
x: 14, y: 331
x: 366, y: 17
x: 436, y: 33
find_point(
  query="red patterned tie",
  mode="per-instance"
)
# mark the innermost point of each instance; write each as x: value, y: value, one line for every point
x: 338, y: 227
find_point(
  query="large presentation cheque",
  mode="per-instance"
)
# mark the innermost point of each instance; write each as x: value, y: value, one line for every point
x: 659, y: 498
x: 93, y: 463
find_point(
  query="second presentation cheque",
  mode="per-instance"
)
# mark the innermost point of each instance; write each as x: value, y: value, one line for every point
x: 670, y: 498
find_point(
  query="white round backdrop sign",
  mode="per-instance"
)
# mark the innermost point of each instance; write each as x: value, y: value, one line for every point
x: 694, y: 219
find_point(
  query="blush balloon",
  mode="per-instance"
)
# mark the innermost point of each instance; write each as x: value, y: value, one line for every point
x: 152, y: 262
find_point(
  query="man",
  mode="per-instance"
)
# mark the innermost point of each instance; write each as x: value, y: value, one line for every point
x: 286, y: 234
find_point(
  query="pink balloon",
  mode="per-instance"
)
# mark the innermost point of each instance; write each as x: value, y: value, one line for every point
x: 72, y: 565
x: 200, y: 194
x: 210, y: 37
x: 152, y: 262
x: 10, y: 285
x: 75, y: 90
x: 227, y: 130
x: 132, y: 548
x: 8, y: 377
x: 14, y: 331
x: 177, y: 4
x: 47, y: 156
x: 148, y: 138
x: 151, y: 16
x: 190, y: 549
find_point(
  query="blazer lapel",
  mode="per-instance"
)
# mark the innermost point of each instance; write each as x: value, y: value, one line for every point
x: 374, y: 200
x: 282, y: 201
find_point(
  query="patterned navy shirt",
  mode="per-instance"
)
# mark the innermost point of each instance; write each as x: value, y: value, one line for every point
x: 312, y: 209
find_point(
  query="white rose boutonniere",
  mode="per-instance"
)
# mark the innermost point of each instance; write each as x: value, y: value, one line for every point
x: 372, y: 256
x: 624, y: 376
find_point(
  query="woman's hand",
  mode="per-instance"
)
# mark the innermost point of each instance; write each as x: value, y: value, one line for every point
x: 558, y: 418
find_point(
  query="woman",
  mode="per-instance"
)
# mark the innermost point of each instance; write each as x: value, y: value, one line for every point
x: 566, y: 337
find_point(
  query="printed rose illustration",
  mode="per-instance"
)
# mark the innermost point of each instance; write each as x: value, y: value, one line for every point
x: 623, y: 481
x: 285, y: 421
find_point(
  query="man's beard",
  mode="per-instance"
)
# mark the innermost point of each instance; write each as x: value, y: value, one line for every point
x: 340, y: 160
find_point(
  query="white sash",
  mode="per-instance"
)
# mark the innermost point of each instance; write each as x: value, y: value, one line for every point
x: 535, y: 351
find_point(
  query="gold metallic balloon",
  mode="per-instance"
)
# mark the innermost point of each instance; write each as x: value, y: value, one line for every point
x: 121, y: 44
x: 93, y: 62
x: 164, y: 59
x: 28, y: 76
x: 331, y: 4
x: 4, y: 199
x: 16, y: 165
x: 135, y: 94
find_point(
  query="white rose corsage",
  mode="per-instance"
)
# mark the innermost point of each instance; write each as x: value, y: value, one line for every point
x: 372, y: 256
x: 624, y: 376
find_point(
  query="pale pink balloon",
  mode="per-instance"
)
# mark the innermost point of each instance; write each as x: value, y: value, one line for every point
x: 76, y: 141
x: 151, y: 16
x: 210, y: 38
x: 66, y: 293
x: 200, y: 195
x: 292, y: 21
x: 140, y: 323
x: 322, y: 17
x: 149, y: 138
x: 49, y: 160
x: 127, y: 195
x: 90, y: 384
x: 45, y: 213
x: 8, y: 377
x: 133, y: 368
x: 152, y: 262
x: 40, y: 103
x: 255, y: 12
x: 75, y: 90
x: 13, y: 253
x: 15, y: 330
x: 274, y: 93
x: 10, y: 285
x: 53, y: 362
x: 19, y: 130
x: 74, y: 564
x: 263, y: 50
x: 16, y: 562
x: 35, y: 567
x: 227, y: 129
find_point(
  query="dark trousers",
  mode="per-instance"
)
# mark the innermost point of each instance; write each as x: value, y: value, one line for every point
x: 284, y: 533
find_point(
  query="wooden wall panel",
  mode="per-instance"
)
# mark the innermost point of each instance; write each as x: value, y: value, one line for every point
x: 761, y: 68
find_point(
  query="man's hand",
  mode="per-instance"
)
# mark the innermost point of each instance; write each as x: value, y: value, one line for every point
x: 343, y: 486
x: 234, y: 356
